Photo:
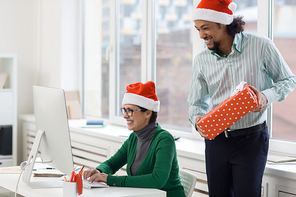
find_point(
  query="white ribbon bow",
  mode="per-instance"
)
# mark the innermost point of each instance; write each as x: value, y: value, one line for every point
x: 239, y: 88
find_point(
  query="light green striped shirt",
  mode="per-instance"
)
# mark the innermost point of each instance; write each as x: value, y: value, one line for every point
x: 255, y: 60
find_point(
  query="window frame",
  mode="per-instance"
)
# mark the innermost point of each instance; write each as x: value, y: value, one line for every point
x: 276, y: 146
x: 147, y: 55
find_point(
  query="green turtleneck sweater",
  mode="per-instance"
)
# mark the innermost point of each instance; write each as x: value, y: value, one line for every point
x: 159, y: 169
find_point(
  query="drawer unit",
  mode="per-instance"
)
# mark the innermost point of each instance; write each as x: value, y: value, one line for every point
x: 6, y: 108
x: 6, y: 162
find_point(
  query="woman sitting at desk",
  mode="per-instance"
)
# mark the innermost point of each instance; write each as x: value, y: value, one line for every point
x: 149, y: 152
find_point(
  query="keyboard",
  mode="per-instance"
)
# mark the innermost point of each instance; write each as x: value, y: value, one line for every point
x: 89, y: 185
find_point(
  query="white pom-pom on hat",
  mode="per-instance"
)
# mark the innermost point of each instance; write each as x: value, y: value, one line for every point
x: 232, y: 6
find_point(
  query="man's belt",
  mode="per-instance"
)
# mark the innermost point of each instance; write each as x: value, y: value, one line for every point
x: 244, y: 132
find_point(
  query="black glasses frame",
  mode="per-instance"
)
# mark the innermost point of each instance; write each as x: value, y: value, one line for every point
x: 129, y: 111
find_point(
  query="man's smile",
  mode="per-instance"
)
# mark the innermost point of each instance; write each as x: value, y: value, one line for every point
x: 207, y: 40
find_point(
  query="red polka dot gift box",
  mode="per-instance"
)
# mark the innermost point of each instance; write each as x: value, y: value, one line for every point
x: 228, y: 112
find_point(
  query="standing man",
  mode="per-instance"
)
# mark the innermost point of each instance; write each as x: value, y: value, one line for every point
x: 235, y: 161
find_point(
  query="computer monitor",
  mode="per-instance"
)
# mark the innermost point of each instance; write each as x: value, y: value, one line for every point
x: 53, y: 136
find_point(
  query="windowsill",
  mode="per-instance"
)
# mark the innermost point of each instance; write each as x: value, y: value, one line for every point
x: 190, y: 148
x: 286, y: 170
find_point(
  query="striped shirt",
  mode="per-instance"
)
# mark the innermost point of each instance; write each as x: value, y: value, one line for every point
x: 253, y: 59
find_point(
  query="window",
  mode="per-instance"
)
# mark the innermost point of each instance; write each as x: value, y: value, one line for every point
x: 115, y: 48
x: 248, y: 10
x: 284, y: 36
x: 130, y: 42
x: 173, y: 62
x: 127, y: 41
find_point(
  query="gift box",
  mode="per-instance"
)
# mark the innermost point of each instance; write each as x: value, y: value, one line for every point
x: 229, y: 111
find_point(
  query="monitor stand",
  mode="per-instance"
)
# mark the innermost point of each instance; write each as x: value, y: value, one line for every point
x: 30, y: 165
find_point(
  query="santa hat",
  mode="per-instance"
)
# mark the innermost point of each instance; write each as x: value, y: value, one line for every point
x: 219, y: 11
x: 142, y: 95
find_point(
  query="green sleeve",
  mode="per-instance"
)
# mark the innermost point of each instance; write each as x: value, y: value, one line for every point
x: 165, y: 151
x: 119, y: 159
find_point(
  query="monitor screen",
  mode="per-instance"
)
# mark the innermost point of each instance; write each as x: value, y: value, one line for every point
x: 53, y: 136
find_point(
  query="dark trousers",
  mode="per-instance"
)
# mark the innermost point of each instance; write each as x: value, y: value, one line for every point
x: 235, y: 166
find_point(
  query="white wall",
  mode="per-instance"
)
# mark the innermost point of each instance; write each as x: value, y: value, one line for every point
x: 17, y: 35
x: 49, y: 30
x: 71, y: 51
x: 58, y: 27
x: 17, y: 23
x: 44, y: 35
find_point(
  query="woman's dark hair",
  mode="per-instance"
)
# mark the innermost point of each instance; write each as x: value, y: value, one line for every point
x: 153, y: 115
x: 236, y: 26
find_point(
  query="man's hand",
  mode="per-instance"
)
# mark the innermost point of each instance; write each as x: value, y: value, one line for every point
x: 262, y: 100
x: 201, y: 132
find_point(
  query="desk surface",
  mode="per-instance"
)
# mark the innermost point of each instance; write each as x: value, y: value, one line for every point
x: 9, y: 181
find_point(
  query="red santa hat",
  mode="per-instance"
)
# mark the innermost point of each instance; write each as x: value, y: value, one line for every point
x: 142, y: 95
x: 219, y: 11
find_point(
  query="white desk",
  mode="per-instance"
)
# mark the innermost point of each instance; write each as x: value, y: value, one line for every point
x: 9, y: 181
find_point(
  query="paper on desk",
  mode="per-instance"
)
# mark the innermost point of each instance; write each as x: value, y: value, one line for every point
x: 10, y: 170
x: 48, y: 173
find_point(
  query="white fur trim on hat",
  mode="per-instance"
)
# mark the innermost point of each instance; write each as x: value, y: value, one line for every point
x: 135, y: 99
x: 212, y: 16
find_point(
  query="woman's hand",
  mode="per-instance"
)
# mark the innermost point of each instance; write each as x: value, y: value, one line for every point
x: 201, y: 132
x: 93, y: 175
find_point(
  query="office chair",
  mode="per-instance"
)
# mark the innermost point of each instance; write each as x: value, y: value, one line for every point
x: 188, y: 181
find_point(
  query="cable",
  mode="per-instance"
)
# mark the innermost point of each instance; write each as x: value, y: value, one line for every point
x: 23, y: 167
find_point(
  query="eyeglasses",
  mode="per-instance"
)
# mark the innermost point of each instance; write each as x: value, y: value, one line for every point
x: 128, y: 111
